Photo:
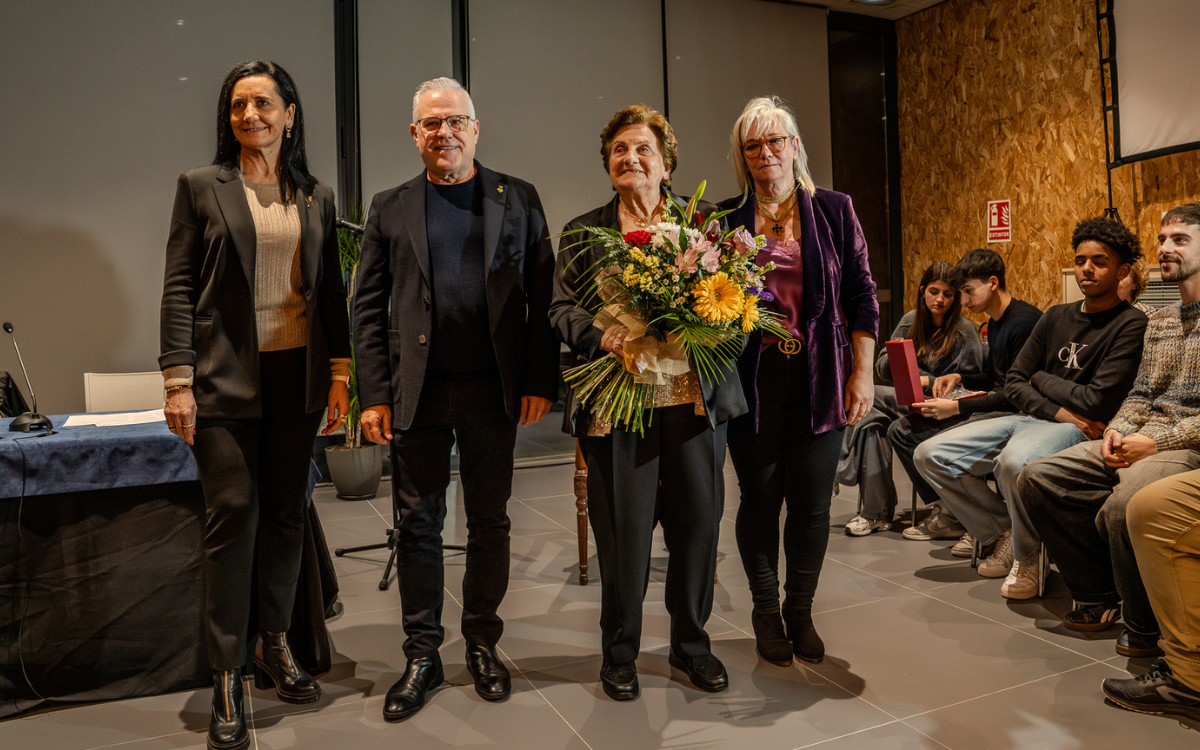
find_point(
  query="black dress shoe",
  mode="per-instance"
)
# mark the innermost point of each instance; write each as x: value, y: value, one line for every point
x: 620, y: 681
x: 407, y: 696
x: 492, y: 680
x: 227, y: 727
x: 1138, y: 646
x: 806, y: 644
x: 275, y: 665
x: 771, y: 639
x: 706, y: 672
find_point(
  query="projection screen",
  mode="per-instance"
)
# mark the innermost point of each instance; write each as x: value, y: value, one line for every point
x: 1158, y: 89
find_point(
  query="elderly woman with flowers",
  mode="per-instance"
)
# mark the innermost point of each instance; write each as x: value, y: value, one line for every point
x: 664, y: 463
x: 803, y: 391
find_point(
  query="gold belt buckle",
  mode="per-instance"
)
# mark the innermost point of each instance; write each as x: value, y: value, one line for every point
x: 790, y: 346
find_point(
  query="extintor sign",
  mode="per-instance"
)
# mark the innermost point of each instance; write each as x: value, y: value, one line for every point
x: 999, y: 221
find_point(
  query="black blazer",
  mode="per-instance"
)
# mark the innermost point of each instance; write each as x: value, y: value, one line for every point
x: 393, y: 319
x: 575, y: 325
x: 208, y: 294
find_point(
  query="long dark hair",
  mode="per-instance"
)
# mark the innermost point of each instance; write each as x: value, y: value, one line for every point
x: 927, y: 338
x: 292, y: 158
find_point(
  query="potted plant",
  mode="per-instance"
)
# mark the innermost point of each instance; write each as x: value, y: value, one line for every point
x: 354, y: 467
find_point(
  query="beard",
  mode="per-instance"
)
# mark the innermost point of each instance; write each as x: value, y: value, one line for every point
x: 1187, y: 267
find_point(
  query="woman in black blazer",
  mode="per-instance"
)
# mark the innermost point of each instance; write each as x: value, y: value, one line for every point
x: 683, y: 445
x: 255, y: 343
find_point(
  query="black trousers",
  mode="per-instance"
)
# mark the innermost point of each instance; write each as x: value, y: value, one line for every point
x: 783, y: 462
x: 471, y: 412
x: 626, y: 501
x: 254, y: 473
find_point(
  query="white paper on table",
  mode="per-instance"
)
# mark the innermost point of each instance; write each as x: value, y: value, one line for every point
x: 114, y: 420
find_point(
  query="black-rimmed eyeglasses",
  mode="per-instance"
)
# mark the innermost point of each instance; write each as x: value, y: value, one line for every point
x: 754, y: 148
x: 457, y: 123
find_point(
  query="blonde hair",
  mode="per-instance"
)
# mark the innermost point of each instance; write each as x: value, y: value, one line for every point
x: 764, y: 112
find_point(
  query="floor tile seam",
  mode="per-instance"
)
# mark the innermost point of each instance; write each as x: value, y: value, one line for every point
x: 818, y: 743
x: 926, y: 736
x: 908, y: 718
x: 130, y: 742
x: 1013, y: 628
x: 544, y: 698
x: 808, y: 668
x: 543, y: 515
x: 886, y: 580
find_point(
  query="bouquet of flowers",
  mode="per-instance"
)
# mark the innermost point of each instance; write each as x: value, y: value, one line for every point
x: 687, y: 290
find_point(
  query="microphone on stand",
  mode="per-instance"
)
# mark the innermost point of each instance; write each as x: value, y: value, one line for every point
x: 343, y: 224
x: 30, y: 420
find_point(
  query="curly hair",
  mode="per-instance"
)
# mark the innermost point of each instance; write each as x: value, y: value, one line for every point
x: 640, y: 114
x: 1110, y: 232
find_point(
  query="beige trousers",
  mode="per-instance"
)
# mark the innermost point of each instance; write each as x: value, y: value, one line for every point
x: 1164, y: 525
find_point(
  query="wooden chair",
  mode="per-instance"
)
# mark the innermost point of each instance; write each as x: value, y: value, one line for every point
x: 581, y: 512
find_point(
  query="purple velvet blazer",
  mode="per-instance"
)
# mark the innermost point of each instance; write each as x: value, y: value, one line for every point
x: 838, y: 297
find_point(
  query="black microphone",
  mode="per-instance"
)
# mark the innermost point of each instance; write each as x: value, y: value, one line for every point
x: 343, y: 224
x: 30, y: 420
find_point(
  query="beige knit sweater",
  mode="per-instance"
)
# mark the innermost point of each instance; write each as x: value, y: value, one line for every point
x: 1164, y: 403
x: 279, y: 306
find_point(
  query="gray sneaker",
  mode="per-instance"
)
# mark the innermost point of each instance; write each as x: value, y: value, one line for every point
x: 964, y: 547
x: 1000, y: 562
x: 938, y: 525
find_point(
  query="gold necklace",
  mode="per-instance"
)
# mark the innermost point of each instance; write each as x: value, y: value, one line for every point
x: 641, y: 224
x: 784, y: 209
x: 762, y: 200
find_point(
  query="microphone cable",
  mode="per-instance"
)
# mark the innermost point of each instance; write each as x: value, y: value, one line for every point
x: 27, y: 582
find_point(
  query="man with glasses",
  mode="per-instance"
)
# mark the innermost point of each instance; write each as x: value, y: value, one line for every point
x: 453, y: 344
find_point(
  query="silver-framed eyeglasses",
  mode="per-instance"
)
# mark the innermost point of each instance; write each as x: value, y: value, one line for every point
x: 775, y: 143
x: 457, y: 123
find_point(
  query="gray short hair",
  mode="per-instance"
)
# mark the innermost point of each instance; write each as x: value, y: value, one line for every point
x: 764, y: 112
x: 442, y: 84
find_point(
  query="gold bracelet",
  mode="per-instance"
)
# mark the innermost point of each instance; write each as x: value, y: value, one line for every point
x: 173, y: 388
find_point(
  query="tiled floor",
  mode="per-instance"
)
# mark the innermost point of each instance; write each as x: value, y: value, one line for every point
x: 922, y: 653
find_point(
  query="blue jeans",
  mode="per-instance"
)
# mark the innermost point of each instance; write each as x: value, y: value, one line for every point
x: 956, y: 461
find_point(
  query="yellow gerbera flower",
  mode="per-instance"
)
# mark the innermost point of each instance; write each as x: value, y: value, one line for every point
x: 750, y: 313
x: 718, y: 300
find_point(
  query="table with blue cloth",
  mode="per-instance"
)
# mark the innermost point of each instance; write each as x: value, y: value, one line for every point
x: 101, y: 536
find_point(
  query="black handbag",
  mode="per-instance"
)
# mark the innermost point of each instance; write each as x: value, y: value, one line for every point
x: 12, y: 402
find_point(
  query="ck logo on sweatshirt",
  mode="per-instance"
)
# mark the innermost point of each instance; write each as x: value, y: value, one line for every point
x: 1069, y: 354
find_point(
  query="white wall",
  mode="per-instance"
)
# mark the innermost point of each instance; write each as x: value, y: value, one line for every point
x: 102, y: 105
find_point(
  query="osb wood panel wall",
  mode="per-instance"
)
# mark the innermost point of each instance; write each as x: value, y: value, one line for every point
x: 1002, y: 100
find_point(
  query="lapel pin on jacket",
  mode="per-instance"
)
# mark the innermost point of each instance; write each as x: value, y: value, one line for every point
x: 499, y: 188
x: 310, y: 201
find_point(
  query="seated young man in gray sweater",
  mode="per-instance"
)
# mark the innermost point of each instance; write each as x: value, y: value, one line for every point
x: 1067, y: 382
x: 1076, y: 500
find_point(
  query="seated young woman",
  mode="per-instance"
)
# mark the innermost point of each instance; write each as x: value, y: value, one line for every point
x: 945, y: 342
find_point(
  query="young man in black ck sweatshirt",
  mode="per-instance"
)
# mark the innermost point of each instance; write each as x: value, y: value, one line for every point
x: 1067, y: 382
x: 1010, y: 321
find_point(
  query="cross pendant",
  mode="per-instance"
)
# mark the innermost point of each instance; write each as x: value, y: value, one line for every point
x: 777, y: 229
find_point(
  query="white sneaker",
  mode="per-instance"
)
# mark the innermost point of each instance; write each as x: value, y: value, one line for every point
x: 1024, y: 579
x: 859, y: 526
x: 1000, y: 561
x: 964, y: 547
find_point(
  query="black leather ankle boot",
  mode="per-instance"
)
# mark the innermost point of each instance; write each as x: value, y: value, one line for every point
x: 274, y: 665
x: 227, y: 728
x: 770, y: 638
x: 806, y: 644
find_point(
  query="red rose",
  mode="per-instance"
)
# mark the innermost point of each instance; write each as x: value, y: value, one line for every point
x: 639, y: 238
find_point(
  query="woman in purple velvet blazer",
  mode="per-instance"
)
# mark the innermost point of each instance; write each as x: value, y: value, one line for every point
x: 802, y: 393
